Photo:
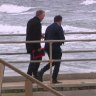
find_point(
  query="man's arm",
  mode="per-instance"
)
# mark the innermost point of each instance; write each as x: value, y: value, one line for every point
x: 61, y: 34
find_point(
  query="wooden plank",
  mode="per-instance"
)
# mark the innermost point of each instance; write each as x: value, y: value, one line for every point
x: 2, y: 67
x: 28, y: 88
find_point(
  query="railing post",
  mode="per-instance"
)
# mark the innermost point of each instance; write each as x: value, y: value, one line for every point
x: 2, y: 67
x: 50, y: 60
x: 28, y: 88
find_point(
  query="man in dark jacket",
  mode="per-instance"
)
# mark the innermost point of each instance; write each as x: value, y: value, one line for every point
x: 33, y: 33
x: 53, y: 32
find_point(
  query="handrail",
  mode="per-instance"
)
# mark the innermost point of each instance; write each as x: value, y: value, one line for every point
x: 66, y: 60
x: 64, y: 33
x: 78, y: 51
x: 80, y: 33
x: 71, y: 40
x: 31, y: 78
x: 50, y: 59
x: 67, y: 51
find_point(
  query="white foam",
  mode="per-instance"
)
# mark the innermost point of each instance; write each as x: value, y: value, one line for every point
x: 9, y: 29
x: 68, y: 28
x: 9, y: 8
x: 24, y: 13
x: 94, y: 11
x: 77, y: 29
x: 88, y: 2
x: 28, y: 13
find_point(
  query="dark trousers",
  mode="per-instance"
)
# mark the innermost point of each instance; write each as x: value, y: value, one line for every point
x: 33, y: 66
x: 56, y: 54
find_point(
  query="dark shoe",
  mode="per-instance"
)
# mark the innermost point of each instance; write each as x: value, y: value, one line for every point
x: 40, y: 76
x: 55, y: 81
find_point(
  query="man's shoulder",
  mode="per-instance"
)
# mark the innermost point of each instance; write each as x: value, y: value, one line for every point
x: 30, y: 20
x: 34, y: 20
x: 54, y: 26
x: 51, y: 25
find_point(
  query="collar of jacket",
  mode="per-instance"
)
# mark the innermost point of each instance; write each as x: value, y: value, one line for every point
x: 37, y: 18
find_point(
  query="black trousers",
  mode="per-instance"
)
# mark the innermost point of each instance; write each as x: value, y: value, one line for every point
x: 56, y: 54
x: 33, y: 67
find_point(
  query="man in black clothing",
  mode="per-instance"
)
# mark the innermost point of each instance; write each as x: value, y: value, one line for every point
x: 53, y: 32
x: 33, y: 33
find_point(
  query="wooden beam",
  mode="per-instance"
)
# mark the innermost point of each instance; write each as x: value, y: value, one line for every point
x: 2, y: 67
x: 28, y: 88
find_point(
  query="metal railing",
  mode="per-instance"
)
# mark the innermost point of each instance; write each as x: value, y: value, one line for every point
x: 50, y: 59
x: 67, y: 33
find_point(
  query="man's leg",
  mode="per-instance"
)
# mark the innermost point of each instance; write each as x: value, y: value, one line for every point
x: 55, y: 71
x: 45, y: 68
x: 56, y: 55
x: 33, y: 67
x: 36, y: 66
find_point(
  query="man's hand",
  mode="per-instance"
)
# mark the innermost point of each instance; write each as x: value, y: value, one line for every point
x: 43, y: 36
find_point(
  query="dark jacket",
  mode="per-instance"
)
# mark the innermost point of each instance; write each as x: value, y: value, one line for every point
x: 33, y: 32
x: 54, y: 32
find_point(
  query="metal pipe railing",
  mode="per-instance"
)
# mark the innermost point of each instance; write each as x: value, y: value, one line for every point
x: 43, y: 34
x: 66, y: 60
x: 50, y: 59
x: 31, y: 78
x: 67, y: 51
x: 53, y: 41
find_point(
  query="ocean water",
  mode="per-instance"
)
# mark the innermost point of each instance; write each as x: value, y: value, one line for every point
x: 78, y: 16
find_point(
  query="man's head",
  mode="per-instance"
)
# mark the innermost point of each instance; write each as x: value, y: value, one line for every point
x: 40, y: 14
x: 58, y: 19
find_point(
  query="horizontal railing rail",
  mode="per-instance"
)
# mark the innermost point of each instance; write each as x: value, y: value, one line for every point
x: 53, y: 41
x: 43, y: 34
x: 67, y: 51
x: 66, y: 60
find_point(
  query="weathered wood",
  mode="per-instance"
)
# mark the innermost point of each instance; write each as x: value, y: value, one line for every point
x: 31, y: 78
x: 2, y: 67
x: 28, y: 88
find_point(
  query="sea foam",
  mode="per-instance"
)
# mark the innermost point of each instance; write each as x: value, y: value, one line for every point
x: 10, y: 29
x: 9, y: 8
x: 88, y: 2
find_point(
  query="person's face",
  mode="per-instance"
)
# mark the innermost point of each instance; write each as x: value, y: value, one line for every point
x: 41, y: 17
x: 60, y: 22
